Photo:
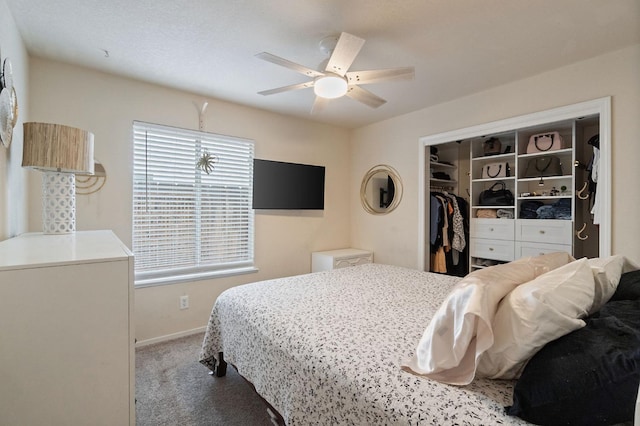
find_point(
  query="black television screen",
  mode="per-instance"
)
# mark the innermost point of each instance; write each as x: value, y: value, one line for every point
x: 287, y: 186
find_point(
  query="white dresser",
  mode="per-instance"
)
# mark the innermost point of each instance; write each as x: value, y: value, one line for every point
x: 342, y: 258
x: 66, y: 330
x: 493, y: 239
x: 534, y: 237
x: 509, y: 239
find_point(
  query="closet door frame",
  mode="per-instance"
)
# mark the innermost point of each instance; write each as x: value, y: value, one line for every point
x: 600, y: 107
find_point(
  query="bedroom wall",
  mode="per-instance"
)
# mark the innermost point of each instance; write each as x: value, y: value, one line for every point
x: 107, y: 105
x: 395, y: 142
x: 13, y: 187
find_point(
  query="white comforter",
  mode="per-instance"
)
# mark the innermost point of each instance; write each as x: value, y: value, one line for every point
x: 326, y: 348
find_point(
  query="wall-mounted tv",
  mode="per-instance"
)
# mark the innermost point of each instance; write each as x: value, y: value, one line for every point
x: 287, y: 186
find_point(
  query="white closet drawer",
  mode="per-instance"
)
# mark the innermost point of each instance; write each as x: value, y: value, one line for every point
x: 550, y: 231
x: 526, y: 248
x: 497, y: 229
x: 492, y: 249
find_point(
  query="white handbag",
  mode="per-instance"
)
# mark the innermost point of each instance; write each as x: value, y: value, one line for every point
x: 543, y: 142
x: 499, y: 169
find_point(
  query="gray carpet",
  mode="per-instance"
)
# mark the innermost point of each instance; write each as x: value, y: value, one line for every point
x: 173, y: 388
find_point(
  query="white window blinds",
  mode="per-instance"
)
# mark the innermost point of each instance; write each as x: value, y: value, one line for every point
x: 187, y: 223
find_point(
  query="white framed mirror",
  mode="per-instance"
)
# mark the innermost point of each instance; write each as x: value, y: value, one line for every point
x: 381, y: 190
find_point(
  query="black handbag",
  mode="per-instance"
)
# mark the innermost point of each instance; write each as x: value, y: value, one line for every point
x: 492, y: 146
x: 548, y: 165
x: 497, y: 195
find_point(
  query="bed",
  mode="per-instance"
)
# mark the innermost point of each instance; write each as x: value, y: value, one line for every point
x: 327, y: 348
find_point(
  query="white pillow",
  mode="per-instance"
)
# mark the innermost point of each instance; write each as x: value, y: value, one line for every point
x: 536, y: 313
x: 636, y: 417
x: 607, y: 272
x: 461, y: 328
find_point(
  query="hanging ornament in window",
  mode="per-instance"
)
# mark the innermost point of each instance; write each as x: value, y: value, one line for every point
x: 206, y: 162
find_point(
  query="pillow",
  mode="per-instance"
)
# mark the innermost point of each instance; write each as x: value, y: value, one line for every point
x: 628, y: 287
x: 536, y: 313
x: 460, y: 331
x: 607, y: 272
x: 637, y: 415
x: 589, y: 376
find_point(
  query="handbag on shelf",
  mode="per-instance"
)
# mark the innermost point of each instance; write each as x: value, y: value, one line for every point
x: 496, y: 170
x: 543, y: 142
x: 492, y: 146
x: 548, y: 165
x: 497, y: 195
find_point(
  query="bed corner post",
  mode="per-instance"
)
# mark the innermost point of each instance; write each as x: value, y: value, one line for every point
x: 221, y: 368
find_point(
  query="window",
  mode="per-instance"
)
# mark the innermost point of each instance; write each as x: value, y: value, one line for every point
x: 188, y: 224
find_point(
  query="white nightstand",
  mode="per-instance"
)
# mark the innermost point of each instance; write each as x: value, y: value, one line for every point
x: 342, y: 258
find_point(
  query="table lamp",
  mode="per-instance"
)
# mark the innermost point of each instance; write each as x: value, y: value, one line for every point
x: 60, y: 152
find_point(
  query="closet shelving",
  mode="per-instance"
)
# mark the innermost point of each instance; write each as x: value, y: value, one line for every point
x: 448, y: 168
x: 543, y: 187
x: 479, y: 184
x: 502, y: 239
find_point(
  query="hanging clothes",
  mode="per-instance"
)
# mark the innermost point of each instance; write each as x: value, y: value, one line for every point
x: 594, y: 170
x: 449, y: 229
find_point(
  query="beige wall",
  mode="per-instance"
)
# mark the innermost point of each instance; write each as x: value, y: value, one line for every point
x: 13, y: 193
x: 107, y: 105
x: 394, y: 238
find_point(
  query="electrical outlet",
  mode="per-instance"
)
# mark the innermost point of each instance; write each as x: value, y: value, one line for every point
x: 184, y: 302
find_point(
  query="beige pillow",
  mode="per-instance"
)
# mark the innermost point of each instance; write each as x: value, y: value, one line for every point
x: 460, y: 331
x: 536, y: 313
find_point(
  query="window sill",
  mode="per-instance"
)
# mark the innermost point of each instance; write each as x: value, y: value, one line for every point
x: 199, y: 276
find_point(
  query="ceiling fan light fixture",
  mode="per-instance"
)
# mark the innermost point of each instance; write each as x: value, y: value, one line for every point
x: 330, y: 86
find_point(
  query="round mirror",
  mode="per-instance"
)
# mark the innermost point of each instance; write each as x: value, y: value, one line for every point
x: 381, y: 190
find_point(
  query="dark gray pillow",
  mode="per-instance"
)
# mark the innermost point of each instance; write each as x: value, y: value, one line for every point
x: 628, y: 287
x: 587, y: 377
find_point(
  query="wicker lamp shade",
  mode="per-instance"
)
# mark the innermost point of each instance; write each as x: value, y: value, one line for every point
x: 60, y: 152
x: 58, y: 148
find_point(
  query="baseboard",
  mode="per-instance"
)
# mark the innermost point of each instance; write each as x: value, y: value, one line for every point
x: 172, y: 336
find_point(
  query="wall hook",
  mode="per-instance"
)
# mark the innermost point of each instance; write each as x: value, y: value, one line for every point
x: 579, y: 193
x: 579, y: 233
x: 201, y: 110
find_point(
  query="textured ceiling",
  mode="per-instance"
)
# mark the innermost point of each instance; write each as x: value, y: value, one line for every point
x: 207, y: 47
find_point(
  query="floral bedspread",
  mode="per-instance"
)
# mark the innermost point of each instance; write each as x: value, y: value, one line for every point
x: 326, y: 348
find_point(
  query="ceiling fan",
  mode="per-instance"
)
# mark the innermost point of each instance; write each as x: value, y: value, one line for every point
x: 336, y: 80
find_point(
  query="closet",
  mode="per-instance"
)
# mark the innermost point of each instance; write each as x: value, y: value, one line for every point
x: 560, y: 189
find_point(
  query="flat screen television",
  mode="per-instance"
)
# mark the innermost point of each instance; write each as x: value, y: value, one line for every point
x: 287, y: 186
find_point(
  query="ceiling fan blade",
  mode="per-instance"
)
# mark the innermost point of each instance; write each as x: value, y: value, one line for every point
x: 344, y: 53
x: 319, y: 104
x: 287, y: 88
x: 375, y: 76
x: 365, y: 96
x: 288, y: 64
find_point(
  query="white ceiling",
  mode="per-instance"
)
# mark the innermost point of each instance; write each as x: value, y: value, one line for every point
x: 207, y: 47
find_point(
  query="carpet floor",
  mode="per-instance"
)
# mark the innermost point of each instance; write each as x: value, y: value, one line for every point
x: 173, y: 388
